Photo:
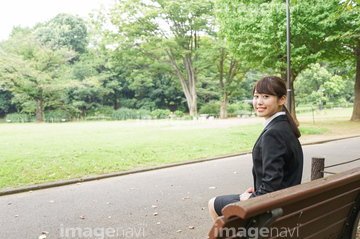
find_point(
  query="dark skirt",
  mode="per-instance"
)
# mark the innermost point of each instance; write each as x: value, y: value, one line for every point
x: 221, y: 201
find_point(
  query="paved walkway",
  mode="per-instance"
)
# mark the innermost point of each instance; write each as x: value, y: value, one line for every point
x: 160, y: 204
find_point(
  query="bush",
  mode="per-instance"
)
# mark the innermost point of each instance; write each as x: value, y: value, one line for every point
x: 124, y: 114
x: 102, y: 111
x: 98, y: 117
x: 143, y: 114
x: 179, y: 113
x: 160, y: 114
x: 55, y: 116
x: 232, y: 108
x: 181, y: 107
x: 242, y: 112
x: 20, y: 118
x: 210, y: 109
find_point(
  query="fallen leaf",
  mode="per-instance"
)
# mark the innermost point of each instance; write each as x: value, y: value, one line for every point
x: 187, y: 197
x: 202, y: 208
x: 154, y: 206
x: 42, y: 237
x: 191, y: 227
x: 82, y: 217
x: 155, y: 213
x: 178, y: 231
x: 16, y: 216
x: 44, y: 232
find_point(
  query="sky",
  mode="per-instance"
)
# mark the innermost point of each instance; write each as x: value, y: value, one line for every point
x: 29, y: 12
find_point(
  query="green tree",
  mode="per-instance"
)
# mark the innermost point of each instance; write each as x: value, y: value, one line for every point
x: 346, y: 37
x: 317, y: 78
x: 33, y: 69
x: 96, y: 84
x: 256, y: 33
x: 231, y: 74
x: 167, y: 31
x: 64, y: 30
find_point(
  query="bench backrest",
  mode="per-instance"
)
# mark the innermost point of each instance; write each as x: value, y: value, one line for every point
x: 323, y: 208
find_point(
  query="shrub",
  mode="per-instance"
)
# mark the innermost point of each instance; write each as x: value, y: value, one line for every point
x: 20, y: 118
x: 160, y: 114
x: 179, y: 113
x: 210, y: 108
x: 181, y: 107
x: 55, y: 116
x: 98, y: 117
x: 104, y: 110
x: 143, y: 114
x: 242, y: 112
x: 124, y: 114
x: 231, y: 108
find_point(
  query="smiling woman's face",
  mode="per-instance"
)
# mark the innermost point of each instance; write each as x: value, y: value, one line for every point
x: 267, y: 105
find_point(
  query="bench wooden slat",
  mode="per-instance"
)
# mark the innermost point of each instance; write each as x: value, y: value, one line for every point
x: 336, y: 217
x: 222, y: 222
x: 330, y: 232
x: 300, y: 215
x: 261, y: 204
x: 317, y: 209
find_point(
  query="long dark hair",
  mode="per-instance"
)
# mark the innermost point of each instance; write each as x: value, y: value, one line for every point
x: 273, y: 85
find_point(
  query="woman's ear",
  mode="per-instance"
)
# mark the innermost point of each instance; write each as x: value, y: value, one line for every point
x: 282, y: 100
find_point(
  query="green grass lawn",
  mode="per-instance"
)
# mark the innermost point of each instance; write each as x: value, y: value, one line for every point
x: 34, y: 153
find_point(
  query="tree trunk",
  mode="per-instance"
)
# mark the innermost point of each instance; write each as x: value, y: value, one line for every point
x: 193, y: 107
x: 356, y: 110
x: 39, y: 110
x: 223, y: 107
x: 188, y: 84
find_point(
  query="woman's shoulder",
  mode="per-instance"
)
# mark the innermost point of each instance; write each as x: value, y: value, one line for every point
x: 281, y: 127
x: 279, y: 123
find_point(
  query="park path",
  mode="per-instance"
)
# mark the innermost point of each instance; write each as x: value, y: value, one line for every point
x: 161, y: 204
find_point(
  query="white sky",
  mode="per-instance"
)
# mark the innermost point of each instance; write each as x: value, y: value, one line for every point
x: 29, y: 12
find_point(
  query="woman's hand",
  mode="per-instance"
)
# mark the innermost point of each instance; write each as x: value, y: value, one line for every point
x: 246, y: 194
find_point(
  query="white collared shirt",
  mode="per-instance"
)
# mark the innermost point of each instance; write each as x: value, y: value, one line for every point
x: 273, y: 117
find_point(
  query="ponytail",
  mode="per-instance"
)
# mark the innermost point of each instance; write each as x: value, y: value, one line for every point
x: 292, y: 123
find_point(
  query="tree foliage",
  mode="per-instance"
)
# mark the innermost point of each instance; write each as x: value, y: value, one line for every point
x: 256, y: 33
x: 167, y: 31
x: 64, y: 30
x: 346, y: 37
x: 33, y: 69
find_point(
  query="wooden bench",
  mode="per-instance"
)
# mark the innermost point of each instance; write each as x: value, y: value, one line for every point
x: 323, y: 208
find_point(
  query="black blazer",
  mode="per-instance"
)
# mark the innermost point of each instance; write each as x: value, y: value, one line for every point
x: 277, y: 158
